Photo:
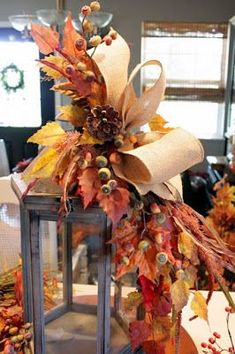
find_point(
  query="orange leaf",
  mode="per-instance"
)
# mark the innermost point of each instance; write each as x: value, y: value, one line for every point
x: 146, y: 262
x: 139, y: 332
x: 115, y: 204
x: 70, y: 38
x: 46, y: 39
x: 90, y: 184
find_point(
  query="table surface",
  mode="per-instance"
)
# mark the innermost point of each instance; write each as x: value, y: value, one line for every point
x: 198, y: 329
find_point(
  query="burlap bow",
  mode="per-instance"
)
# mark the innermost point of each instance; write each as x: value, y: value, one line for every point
x: 156, y: 164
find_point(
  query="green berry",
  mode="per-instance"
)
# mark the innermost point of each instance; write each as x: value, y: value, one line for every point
x: 162, y: 258
x: 101, y: 161
x: 106, y: 189
x: 20, y: 337
x: 118, y: 142
x: 143, y: 245
x: 125, y: 260
x: 161, y: 218
x: 104, y: 174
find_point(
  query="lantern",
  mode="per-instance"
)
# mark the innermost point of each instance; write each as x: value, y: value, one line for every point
x: 71, y: 323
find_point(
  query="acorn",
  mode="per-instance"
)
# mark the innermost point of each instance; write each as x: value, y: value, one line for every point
x: 101, y: 161
x: 112, y: 183
x: 106, y: 189
x: 95, y: 6
x: 104, y: 173
x: 125, y: 260
x: 160, y: 218
x: 162, y: 258
x: 143, y: 245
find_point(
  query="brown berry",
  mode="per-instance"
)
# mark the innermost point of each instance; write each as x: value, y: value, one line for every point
x: 88, y: 26
x: 89, y: 76
x: 113, y: 34
x: 106, y: 189
x: 86, y: 10
x: 95, y: 40
x: 80, y: 44
x: 95, y: 6
x: 81, y: 66
x: 112, y: 184
x: 70, y: 70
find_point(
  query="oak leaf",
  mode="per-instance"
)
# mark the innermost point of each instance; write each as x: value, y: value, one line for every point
x: 179, y: 294
x: 70, y: 37
x: 199, y: 306
x: 90, y: 184
x: 57, y: 62
x: 158, y: 123
x: 46, y: 39
x: 139, y: 333
x: 73, y: 114
x: 48, y: 135
x: 115, y: 204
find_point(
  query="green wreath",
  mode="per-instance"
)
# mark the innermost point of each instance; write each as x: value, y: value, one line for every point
x: 12, y: 78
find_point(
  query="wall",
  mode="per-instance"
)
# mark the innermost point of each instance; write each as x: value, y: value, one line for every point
x: 128, y: 15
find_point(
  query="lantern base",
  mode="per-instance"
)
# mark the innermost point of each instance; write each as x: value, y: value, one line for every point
x: 75, y: 333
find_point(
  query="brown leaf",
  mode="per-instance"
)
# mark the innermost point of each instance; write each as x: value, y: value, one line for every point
x: 46, y: 39
x: 70, y: 37
x: 179, y: 294
x: 115, y: 204
x: 90, y: 184
x: 199, y: 306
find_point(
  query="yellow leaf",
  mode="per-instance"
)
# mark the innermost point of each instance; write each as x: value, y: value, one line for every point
x: 73, y: 114
x: 47, y: 135
x: 179, y: 294
x: 190, y: 275
x: 86, y: 138
x: 42, y: 166
x: 158, y: 124
x: 187, y: 247
x: 199, y: 306
x: 59, y: 62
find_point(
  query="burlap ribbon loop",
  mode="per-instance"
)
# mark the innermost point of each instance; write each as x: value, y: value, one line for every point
x: 158, y: 160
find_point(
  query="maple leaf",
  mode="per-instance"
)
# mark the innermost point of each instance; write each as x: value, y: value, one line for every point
x: 199, y: 306
x: 146, y: 263
x: 70, y: 37
x: 152, y: 347
x: 46, y: 39
x: 73, y: 114
x: 139, y: 333
x: 147, y: 289
x: 48, y: 135
x: 53, y: 66
x: 115, y: 204
x: 158, y: 123
x: 187, y: 247
x: 42, y: 166
x: 161, y: 328
x: 179, y: 294
x: 90, y: 184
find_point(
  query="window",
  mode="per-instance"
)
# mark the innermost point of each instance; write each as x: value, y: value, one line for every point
x: 193, y: 55
x: 20, y: 103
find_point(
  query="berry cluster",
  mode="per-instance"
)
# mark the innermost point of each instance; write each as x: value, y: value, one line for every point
x: 213, y: 346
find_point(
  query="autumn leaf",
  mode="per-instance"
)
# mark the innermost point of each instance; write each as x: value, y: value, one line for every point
x: 199, y: 306
x: 161, y: 328
x: 90, y: 184
x: 86, y: 138
x: 133, y: 300
x: 139, y: 333
x: 46, y: 39
x: 115, y: 204
x: 179, y: 294
x: 146, y: 262
x: 152, y: 347
x: 42, y: 166
x: 187, y: 247
x: 48, y: 135
x: 70, y: 37
x: 190, y: 275
x: 73, y: 114
x: 55, y: 70
x: 158, y: 123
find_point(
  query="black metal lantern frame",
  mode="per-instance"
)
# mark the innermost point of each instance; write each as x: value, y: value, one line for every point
x: 35, y: 207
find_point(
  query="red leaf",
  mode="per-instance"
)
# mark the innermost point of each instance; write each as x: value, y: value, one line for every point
x: 139, y: 333
x: 70, y: 37
x: 152, y: 347
x: 147, y: 290
x: 90, y: 184
x: 46, y: 39
x: 18, y: 287
x: 115, y: 204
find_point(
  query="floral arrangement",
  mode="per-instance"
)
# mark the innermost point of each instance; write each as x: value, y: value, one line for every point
x: 133, y: 177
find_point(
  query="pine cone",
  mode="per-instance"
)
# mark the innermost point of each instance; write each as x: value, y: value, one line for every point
x: 104, y: 123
